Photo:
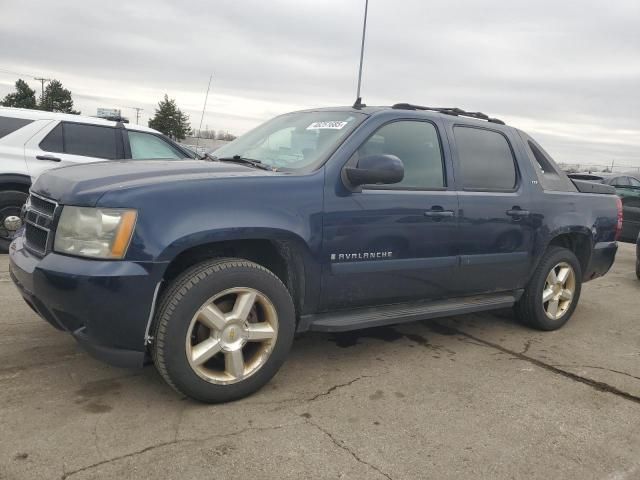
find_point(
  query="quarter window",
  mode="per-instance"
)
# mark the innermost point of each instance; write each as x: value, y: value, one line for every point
x: 486, y: 160
x: 417, y: 145
x: 53, y: 141
x: 145, y: 146
x: 9, y: 125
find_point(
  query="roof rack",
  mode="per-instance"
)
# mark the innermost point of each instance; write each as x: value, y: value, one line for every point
x: 458, y: 112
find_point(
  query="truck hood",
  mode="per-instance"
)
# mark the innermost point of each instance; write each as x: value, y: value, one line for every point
x: 85, y: 184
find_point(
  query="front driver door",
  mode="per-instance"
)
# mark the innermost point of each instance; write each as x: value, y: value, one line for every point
x: 393, y: 243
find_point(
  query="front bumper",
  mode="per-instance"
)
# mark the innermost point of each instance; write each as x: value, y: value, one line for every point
x: 105, y: 305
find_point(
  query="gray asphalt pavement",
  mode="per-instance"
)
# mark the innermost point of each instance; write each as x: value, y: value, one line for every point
x: 474, y: 396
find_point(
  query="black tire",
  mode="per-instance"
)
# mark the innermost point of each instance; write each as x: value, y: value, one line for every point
x: 530, y: 307
x: 11, y: 202
x: 181, y: 301
x: 638, y: 268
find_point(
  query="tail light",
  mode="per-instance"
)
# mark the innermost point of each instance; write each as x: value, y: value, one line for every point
x: 619, y: 224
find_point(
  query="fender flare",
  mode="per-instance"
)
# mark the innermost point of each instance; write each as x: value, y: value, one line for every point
x: 14, y: 178
x: 302, y: 266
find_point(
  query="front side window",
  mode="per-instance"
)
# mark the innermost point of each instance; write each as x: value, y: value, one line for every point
x: 9, y: 125
x: 485, y: 158
x: 145, y: 146
x: 80, y: 139
x: 295, y: 141
x: 417, y: 145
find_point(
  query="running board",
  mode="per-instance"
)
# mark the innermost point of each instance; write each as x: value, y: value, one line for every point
x: 344, y: 320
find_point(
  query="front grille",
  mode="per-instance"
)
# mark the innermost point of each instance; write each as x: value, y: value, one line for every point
x: 39, y: 219
x: 36, y: 238
x: 42, y: 206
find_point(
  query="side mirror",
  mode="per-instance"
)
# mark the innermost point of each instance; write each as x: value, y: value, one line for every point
x: 376, y: 169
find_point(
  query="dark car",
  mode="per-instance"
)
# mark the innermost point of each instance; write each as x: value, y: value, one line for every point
x: 638, y: 257
x: 628, y: 189
x: 327, y: 220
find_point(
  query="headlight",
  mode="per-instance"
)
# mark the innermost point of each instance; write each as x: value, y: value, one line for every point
x: 95, y: 232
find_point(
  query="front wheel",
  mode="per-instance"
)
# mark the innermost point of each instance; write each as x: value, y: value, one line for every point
x: 224, y: 328
x: 553, y: 291
x: 11, y: 202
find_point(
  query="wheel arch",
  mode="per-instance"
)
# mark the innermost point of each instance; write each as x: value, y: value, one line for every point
x: 15, y: 181
x: 287, y: 257
x: 578, y: 240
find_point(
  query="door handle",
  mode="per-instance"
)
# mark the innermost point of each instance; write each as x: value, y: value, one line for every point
x: 50, y: 158
x: 438, y: 213
x: 517, y: 212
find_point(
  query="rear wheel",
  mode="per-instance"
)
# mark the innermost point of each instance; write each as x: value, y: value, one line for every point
x: 11, y: 202
x: 223, y: 330
x: 553, y: 291
x: 638, y: 268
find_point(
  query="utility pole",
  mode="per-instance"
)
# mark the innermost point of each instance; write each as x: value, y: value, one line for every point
x: 138, y: 110
x: 42, y: 80
x: 358, y: 103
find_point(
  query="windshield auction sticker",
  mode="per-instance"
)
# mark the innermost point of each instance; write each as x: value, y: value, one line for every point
x: 337, y: 125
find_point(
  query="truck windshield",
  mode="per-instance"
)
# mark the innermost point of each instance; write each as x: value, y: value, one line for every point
x: 294, y: 141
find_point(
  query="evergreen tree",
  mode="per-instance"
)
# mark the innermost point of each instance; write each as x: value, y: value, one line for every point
x: 23, y: 97
x: 56, y: 98
x: 170, y: 120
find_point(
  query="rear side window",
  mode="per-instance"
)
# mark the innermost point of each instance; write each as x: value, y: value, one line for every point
x: 620, y: 182
x: 145, y: 146
x: 9, y: 125
x: 486, y: 160
x: 90, y: 141
x: 84, y: 140
x: 634, y: 182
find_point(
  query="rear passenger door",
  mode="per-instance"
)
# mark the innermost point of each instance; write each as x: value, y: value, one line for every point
x: 495, y: 241
x: 72, y: 142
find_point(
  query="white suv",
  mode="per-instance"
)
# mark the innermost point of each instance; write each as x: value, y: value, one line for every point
x: 32, y: 141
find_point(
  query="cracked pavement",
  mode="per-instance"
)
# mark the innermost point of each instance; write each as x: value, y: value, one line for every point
x: 474, y: 396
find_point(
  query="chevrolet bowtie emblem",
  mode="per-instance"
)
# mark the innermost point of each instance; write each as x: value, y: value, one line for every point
x: 232, y: 334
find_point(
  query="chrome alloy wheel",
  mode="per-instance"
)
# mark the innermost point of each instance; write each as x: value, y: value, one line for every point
x: 558, y: 292
x: 232, y: 335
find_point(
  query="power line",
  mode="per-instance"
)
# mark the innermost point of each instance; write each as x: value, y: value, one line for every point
x: 11, y: 72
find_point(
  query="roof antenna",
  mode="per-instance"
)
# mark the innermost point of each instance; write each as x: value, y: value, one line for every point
x: 358, y: 104
x: 204, y: 107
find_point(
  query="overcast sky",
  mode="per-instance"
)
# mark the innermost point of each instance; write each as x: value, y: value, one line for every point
x: 568, y: 72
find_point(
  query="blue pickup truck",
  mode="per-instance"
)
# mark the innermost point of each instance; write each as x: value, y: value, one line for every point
x: 324, y: 220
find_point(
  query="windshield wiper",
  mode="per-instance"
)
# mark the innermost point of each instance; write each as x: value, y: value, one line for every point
x: 245, y: 161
